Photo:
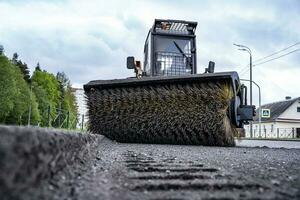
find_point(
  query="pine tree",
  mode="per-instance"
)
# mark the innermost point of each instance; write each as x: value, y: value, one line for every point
x: 25, y: 71
x: 38, y: 68
x: 15, y: 58
x: 64, y: 82
x: 23, y: 67
x: 68, y: 100
x: 1, y: 50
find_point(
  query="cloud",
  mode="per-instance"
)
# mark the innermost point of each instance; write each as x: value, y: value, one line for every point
x: 91, y: 39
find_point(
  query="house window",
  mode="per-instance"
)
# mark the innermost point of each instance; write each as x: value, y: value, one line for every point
x: 298, y: 109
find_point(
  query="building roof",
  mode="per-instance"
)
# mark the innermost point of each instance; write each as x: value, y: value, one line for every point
x: 276, y: 108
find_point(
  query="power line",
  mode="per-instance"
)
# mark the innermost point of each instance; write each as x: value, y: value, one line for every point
x: 242, y: 73
x: 272, y: 54
x: 274, y: 83
x: 277, y: 52
x: 244, y: 70
x: 277, y: 57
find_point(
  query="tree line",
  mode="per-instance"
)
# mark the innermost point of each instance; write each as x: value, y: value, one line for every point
x: 41, y: 99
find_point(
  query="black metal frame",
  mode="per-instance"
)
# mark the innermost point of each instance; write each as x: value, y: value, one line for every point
x: 153, y: 34
x: 115, y: 83
x: 177, y: 25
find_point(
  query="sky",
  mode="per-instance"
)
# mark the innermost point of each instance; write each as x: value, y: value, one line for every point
x: 90, y: 40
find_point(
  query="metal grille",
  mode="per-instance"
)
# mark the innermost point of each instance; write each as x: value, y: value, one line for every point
x: 175, y: 27
x: 168, y: 63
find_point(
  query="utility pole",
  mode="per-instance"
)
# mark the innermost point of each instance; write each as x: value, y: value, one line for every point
x: 29, y: 111
x: 68, y: 119
x: 48, y: 117
x: 82, y: 121
x: 247, y: 49
x: 259, y: 104
x: 59, y: 113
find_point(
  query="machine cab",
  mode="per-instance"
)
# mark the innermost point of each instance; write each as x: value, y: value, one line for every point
x: 170, y: 48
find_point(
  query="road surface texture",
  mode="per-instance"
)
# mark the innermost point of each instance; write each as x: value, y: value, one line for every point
x: 113, y: 170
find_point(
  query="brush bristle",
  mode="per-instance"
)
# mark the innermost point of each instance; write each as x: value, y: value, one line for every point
x: 186, y: 113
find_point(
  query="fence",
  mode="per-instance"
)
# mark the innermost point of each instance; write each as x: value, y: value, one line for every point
x: 291, y: 133
x: 82, y: 123
x: 62, y: 119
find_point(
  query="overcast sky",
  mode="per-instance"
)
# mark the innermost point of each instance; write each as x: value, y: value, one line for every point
x: 91, y: 39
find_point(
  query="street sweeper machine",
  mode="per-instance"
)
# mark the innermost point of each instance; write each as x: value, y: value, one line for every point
x: 167, y: 101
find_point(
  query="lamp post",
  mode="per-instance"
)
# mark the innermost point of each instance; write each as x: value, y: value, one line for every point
x: 247, y: 49
x: 259, y: 104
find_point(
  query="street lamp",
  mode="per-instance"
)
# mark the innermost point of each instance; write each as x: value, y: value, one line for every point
x: 247, y: 49
x: 259, y: 104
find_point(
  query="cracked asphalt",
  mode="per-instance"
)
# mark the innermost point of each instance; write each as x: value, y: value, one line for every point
x: 173, y: 172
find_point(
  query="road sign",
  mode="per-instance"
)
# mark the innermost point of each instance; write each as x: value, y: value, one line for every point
x: 265, y: 113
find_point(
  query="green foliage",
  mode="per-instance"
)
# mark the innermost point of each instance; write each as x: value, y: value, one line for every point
x: 63, y: 80
x: 16, y: 98
x: 47, y: 92
x: 35, y: 114
x: 23, y: 67
x: 8, y: 87
x: 43, y: 102
x: 68, y: 99
x: 22, y: 96
x: 70, y: 105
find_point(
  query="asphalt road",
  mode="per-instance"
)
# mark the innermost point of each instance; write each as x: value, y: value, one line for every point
x: 173, y: 172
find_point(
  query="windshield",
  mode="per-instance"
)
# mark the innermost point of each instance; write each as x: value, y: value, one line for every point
x: 173, y: 56
x: 168, y: 45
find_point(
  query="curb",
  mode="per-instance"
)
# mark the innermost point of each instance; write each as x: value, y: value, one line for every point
x: 29, y: 155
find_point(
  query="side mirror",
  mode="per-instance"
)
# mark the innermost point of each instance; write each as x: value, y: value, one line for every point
x: 211, y: 67
x: 130, y: 62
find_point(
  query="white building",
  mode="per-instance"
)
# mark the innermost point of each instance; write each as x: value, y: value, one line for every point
x: 283, y: 120
x: 82, y: 107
